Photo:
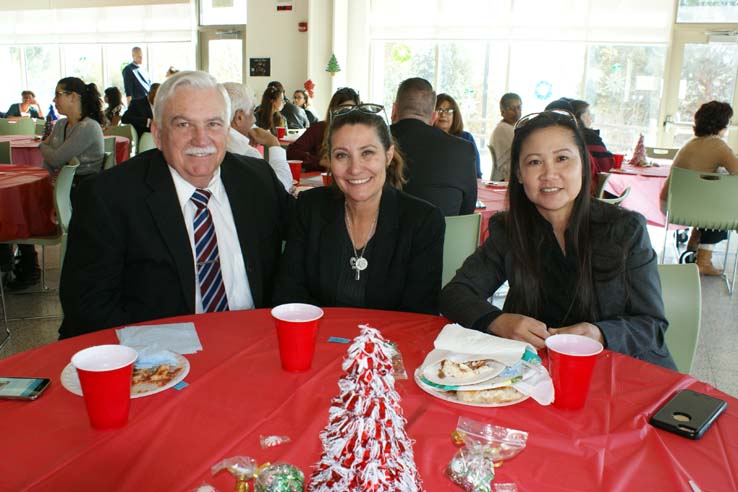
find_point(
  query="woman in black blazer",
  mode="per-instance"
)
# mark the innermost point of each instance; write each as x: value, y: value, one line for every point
x: 362, y: 242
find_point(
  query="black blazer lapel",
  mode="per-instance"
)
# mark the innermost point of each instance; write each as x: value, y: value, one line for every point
x: 332, y: 236
x: 385, y: 238
x: 167, y: 214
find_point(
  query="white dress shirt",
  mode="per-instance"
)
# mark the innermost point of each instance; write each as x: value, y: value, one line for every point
x: 238, y: 143
x: 232, y: 266
x: 502, y: 138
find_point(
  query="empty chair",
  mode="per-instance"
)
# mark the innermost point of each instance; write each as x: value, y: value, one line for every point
x: 705, y: 200
x: 661, y: 152
x: 23, y: 126
x: 680, y: 288
x: 6, y: 156
x: 460, y: 241
x: 109, y: 161
x: 146, y: 142
x: 616, y: 200
x: 125, y: 131
x: 602, y: 179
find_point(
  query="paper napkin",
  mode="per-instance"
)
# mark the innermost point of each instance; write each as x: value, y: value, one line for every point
x: 456, y: 338
x: 180, y: 338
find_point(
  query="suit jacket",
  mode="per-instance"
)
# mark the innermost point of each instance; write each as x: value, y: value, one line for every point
x: 406, y: 259
x: 138, y: 114
x: 129, y: 257
x: 440, y: 168
x: 136, y: 82
x: 296, y: 116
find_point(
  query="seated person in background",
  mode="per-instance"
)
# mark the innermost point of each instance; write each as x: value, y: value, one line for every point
x: 140, y: 113
x: 301, y: 99
x: 79, y: 134
x: 170, y: 71
x: 706, y: 152
x: 268, y: 114
x: 449, y: 120
x: 511, y: 108
x: 294, y: 115
x: 574, y: 264
x: 603, y: 159
x: 309, y: 147
x: 114, y: 100
x: 185, y: 228
x: 362, y: 242
x: 28, y: 107
x: 440, y: 167
x: 242, y: 121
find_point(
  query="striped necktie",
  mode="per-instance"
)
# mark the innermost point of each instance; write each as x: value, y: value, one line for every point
x: 209, y: 275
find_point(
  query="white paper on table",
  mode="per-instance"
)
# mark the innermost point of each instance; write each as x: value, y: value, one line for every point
x: 180, y: 338
x: 456, y: 338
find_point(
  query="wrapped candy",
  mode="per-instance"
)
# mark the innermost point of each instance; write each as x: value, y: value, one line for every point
x: 472, y: 468
x: 272, y: 441
x: 241, y: 467
x: 280, y: 477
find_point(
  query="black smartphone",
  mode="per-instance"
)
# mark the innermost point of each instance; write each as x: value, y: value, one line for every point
x: 22, y: 388
x: 688, y: 413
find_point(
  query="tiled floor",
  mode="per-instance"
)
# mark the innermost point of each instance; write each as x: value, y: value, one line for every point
x: 35, y: 317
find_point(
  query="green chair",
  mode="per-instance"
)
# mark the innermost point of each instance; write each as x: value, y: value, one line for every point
x: 460, y: 241
x: 23, y: 126
x: 63, y: 207
x: 680, y: 288
x: 6, y: 155
x: 618, y: 199
x: 125, y: 131
x: 109, y: 161
x: 706, y: 200
x: 40, y: 126
x: 661, y: 153
x: 146, y: 142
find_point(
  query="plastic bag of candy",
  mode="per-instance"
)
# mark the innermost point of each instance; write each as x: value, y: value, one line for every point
x: 484, y: 447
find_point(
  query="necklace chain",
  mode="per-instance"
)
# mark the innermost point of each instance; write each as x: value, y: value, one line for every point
x: 358, y: 262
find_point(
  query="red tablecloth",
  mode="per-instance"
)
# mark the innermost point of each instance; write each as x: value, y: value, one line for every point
x: 237, y: 392
x: 493, y: 198
x: 26, y: 203
x: 25, y: 149
x: 645, y: 189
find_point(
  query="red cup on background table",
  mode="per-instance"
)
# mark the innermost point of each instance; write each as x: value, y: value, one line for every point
x: 618, y: 160
x: 105, y: 377
x: 327, y: 178
x: 281, y: 132
x: 297, y: 329
x: 571, y: 359
x: 296, y: 170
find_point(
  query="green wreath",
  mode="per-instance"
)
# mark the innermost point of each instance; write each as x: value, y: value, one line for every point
x: 401, y: 53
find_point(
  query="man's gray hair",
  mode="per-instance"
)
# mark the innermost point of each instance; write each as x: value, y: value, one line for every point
x: 188, y: 78
x: 415, y: 99
x: 240, y: 97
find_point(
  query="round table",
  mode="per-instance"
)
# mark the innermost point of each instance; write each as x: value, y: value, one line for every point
x: 26, y: 203
x: 24, y: 149
x: 238, y: 392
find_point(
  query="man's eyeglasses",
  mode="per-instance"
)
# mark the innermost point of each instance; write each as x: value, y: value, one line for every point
x: 364, y: 108
x: 555, y: 114
x: 445, y: 110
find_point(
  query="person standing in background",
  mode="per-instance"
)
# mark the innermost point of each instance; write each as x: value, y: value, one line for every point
x: 511, y: 107
x: 136, y: 80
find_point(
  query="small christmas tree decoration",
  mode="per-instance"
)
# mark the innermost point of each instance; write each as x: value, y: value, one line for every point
x: 309, y: 86
x: 365, y: 446
x: 333, y: 67
x: 639, y: 154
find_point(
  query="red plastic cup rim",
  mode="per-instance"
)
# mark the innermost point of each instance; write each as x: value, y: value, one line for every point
x: 294, y: 163
x: 102, y: 358
x: 574, y: 345
x: 297, y: 312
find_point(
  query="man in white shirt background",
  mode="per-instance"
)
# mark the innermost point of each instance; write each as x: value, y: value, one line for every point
x: 511, y: 108
x: 242, y: 131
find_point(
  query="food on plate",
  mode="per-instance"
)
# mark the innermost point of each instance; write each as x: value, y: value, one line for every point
x: 462, y: 370
x: 505, y: 394
x: 156, y: 375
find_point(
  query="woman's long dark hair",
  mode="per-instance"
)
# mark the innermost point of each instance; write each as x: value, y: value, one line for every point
x: 525, y: 232
x: 264, y: 117
x: 457, y: 122
x: 90, y: 98
x: 115, y: 98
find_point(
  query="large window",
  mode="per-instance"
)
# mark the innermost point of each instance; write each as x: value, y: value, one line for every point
x: 707, y: 11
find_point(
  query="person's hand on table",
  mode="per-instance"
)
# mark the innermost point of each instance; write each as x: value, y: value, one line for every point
x: 263, y: 137
x: 520, y: 327
x: 584, y: 329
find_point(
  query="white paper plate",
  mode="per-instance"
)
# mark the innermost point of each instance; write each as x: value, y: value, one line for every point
x: 70, y: 380
x: 451, y: 395
x: 431, y: 374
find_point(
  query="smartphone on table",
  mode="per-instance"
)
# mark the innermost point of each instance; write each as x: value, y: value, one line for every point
x: 22, y: 388
x: 688, y: 413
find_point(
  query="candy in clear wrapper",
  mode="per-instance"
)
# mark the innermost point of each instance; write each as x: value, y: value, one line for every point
x: 241, y: 467
x: 205, y: 487
x: 472, y: 468
x: 280, y: 477
x: 271, y: 441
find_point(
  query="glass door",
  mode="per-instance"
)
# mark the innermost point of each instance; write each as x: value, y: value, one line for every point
x: 222, y: 53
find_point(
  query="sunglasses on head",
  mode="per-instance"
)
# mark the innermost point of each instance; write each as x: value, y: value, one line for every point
x: 555, y: 114
x: 367, y: 108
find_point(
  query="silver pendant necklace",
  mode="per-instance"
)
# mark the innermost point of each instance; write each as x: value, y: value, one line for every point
x: 357, y: 262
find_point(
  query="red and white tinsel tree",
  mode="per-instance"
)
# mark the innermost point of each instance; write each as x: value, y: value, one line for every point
x: 639, y: 154
x: 365, y: 446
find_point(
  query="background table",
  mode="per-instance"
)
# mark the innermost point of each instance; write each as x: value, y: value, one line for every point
x: 645, y: 189
x: 494, y: 199
x: 24, y: 149
x: 237, y: 392
x: 26, y: 202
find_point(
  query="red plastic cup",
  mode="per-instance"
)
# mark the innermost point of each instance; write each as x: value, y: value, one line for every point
x: 281, y: 132
x: 295, y: 169
x: 105, y: 377
x: 327, y: 178
x: 297, y: 329
x: 571, y: 359
x: 618, y: 160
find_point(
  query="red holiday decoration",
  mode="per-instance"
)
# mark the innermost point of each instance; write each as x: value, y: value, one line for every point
x: 639, y: 154
x: 365, y: 446
x: 309, y: 87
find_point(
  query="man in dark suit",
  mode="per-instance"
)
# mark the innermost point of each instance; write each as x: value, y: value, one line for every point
x: 440, y: 168
x: 136, y: 80
x: 157, y: 235
x: 140, y: 113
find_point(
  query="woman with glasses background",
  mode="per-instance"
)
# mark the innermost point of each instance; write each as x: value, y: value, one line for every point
x: 28, y: 107
x: 574, y: 264
x: 301, y: 99
x: 362, y: 242
x: 448, y: 119
x: 309, y: 147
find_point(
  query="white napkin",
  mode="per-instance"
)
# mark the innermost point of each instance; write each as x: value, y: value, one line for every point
x: 456, y: 338
x: 178, y: 337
